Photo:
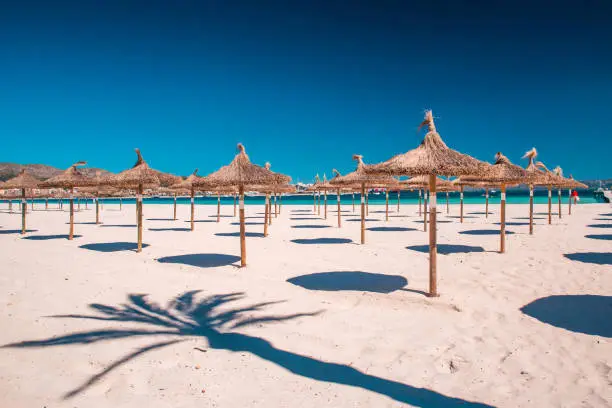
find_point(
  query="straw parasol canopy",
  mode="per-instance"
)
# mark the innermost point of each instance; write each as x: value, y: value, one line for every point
x: 140, y: 175
x: 535, y: 176
x: 361, y: 177
x: 434, y: 158
x: 502, y: 173
x: 187, y: 185
x: 241, y: 173
x: 69, y: 179
x: 22, y: 181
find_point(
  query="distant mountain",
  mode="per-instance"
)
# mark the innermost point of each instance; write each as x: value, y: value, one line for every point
x: 595, y: 183
x: 40, y: 171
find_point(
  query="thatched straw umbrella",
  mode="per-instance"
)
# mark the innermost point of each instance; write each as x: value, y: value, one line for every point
x: 572, y: 184
x: 22, y: 181
x: 325, y: 186
x: 139, y: 177
x: 535, y: 177
x: 432, y: 157
x: 241, y: 173
x: 68, y: 180
x: 568, y: 183
x: 461, y: 183
x: 97, y: 191
x: 504, y: 173
x: 359, y: 177
x: 337, y: 175
x: 552, y: 181
x: 188, y: 185
x: 267, y: 190
x: 422, y: 182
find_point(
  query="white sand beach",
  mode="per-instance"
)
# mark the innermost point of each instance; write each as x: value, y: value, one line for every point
x: 314, y: 320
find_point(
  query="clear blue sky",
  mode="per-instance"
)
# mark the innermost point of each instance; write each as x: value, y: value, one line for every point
x: 303, y: 84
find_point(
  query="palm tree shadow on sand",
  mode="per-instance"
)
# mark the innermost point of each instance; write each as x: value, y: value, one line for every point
x: 185, y: 317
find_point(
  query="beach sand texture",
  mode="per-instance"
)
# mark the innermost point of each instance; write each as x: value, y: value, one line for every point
x: 314, y: 319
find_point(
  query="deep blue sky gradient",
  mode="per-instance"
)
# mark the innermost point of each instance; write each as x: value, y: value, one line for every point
x: 303, y: 84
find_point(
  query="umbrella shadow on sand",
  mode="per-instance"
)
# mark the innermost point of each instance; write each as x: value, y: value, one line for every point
x: 176, y: 229
x: 390, y: 229
x: 212, y: 318
x: 483, y: 232
x: 588, y: 314
x: 49, y: 237
x: 446, y: 249
x: 201, y: 260
x: 606, y: 237
x: 3, y: 232
x: 313, y: 241
x: 237, y: 234
x: 350, y: 280
x: 112, y: 246
x: 599, y: 258
x: 600, y: 226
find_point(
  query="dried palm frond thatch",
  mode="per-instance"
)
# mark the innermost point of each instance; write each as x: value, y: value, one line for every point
x: 433, y: 158
x: 140, y: 175
x: 242, y: 173
x: 22, y: 181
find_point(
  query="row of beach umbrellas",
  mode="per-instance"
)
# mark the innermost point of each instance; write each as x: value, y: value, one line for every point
x: 430, y: 167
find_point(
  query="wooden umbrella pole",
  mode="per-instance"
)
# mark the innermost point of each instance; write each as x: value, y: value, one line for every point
x: 46, y: 203
x: 318, y: 203
x: 339, y: 211
x: 398, y: 201
x: 234, y: 204
x: 276, y: 205
x: 97, y: 211
x: 325, y: 201
x: 242, y: 228
x: 174, y: 206
x: 270, y: 211
x: 266, y: 212
x: 139, y: 206
x: 502, y: 232
x: 11, y: 206
x: 419, y: 202
x: 486, y: 203
x: 530, y: 210
x: 71, y: 233
x: 218, y: 207
x: 86, y: 200
x: 23, y: 211
x: 549, y: 204
x: 314, y: 199
x: 192, y: 204
x: 367, y: 202
x: 120, y: 203
x: 447, y: 206
x: 386, y: 204
x: 461, y: 204
x: 78, y: 204
x: 559, y: 194
x: 425, y: 202
x: 433, y: 239
x: 569, y: 201
x: 363, y: 213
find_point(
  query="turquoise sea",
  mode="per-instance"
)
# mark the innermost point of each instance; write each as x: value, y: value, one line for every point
x: 407, y: 197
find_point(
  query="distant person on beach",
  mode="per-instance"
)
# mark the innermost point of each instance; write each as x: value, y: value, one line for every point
x: 575, y: 196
